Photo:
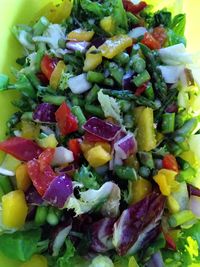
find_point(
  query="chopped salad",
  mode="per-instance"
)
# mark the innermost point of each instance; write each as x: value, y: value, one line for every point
x: 102, y: 162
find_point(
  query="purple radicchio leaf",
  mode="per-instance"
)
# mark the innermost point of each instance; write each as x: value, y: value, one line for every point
x: 45, y: 112
x: 102, y: 233
x: 59, y: 190
x: 132, y: 228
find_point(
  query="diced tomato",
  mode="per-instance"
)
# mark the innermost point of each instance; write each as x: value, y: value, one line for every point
x: 21, y: 148
x: 159, y: 33
x: 135, y: 9
x: 46, y: 158
x: 48, y: 65
x: 41, y: 172
x: 150, y: 41
x: 141, y: 89
x: 92, y: 138
x: 74, y: 146
x: 67, y: 122
x: 169, y: 241
x: 170, y: 163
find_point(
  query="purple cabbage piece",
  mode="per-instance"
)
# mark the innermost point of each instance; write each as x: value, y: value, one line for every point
x: 102, y: 233
x: 156, y: 260
x: 59, y: 190
x: 126, y: 146
x: 136, y: 224
x: 33, y: 198
x: 77, y: 46
x: 126, y: 81
x: 193, y: 191
x: 45, y: 112
x: 105, y: 130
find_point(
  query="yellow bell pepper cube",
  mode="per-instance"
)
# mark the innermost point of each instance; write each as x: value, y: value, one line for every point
x: 108, y: 24
x: 146, y: 138
x: 140, y: 189
x: 93, y: 59
x: 115, y: 45
x: 80, y: 35
x: 172, y: 205
x: 106, y: 146
x: 30, y: 130
x: 22, y: 178
x: 98, y: 156
x: 14, y: 209
x: 86, y: 146
x: 56, y: 74
x: 36, y: 261
x: 56, y: 13
x: 166, y: 181
x: 48, y: 142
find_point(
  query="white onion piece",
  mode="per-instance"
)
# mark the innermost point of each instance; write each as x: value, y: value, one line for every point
x: 137, y: 32
x: 6, y: 172
x: 194, y: 205
x: 79, y: 84
x: 171, y: 74
x: 62, y: 156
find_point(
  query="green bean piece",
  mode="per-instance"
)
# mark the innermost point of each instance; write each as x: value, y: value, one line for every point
x: 40, y: 26
x: 62, y: 43
x: 41, y: 215
x: 126, y: 173
x: 92, y: 95
x: 174, y: 148
x: 180, y: 218
x: 159, y: 83
x: 188, y: 127
x: 95, y: 77
x: 56, y: 100
x: 38, y: 59
x: 76, y: 101
x: 95, y: 110
x: 124, y: 105
x: 132, y: 19
x: 5, y: 184
x: 144, y: 171
x: 122, y: 59
x: 116, y: 72
x: 76, y: 110
x: 127, y: 95
x: 109, y: 82
x: 168, y: 123
x: 141, y: 78
x: 33, y: 79
x: 138, y: 64
x: 149, y: 92
x: 129, y: 121
x: 4, y: 80
x: 52, y: 218
x: 146, y: 159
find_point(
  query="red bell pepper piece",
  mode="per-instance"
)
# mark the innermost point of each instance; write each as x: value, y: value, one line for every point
x: 21, y: 148
x: 41, y: 172
x: 48, y: 65
x: 141, y: 89
x: 92, y: 138
x: 169, y: 241
x: 74, y: 146
x: 135, y: 9
x: 170, y: 163
x: 67, y: 122
x: 150, y: 41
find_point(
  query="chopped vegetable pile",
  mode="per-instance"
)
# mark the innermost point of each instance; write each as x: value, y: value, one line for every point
x: 102, y: 161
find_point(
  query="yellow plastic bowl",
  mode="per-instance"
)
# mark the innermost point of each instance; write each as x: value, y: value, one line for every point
x: 23, y: 11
